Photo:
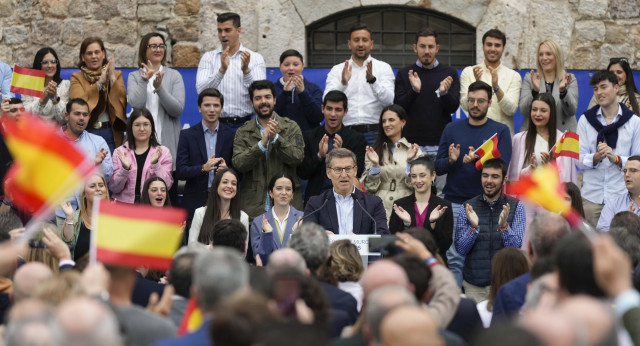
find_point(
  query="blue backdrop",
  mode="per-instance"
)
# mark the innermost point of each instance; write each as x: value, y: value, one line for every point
x: 191, y: 115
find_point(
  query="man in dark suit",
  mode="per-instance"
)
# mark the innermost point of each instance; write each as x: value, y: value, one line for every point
x: 321, y: 140
x: 203, y: 149
x: 345, y: 209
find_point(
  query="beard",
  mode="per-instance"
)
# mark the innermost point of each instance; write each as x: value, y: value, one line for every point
x: 262, y: 115
x: 480, y: 116
x: 493, y: 194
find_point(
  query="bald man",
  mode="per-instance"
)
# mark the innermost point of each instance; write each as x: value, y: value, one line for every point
x: 27, y: 277
x: 409, y: 326
x: 85, y: 321
x: 383, y: 273
x: 286, y: 259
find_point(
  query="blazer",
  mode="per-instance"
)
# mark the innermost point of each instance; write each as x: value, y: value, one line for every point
x: 171, y: 98
x: 115, y: 101
x: 327, y: 216
x: 443, y: 233
x: 264, y: 244
x: 123, y: 182
x: 192, y: 154
x: 566, y: 165
x: 315, y: 170
x: 565, y: 107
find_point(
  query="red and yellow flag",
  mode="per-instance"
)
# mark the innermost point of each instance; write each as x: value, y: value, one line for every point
x: 192, y: 318
x: 544, y: 188
x: 137, y: 235
x: 26, y: 81
x: 47, y: 167
x: 488, y: 150
x: 568, y: 145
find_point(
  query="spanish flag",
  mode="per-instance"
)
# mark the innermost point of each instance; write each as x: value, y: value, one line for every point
x: 47, y: 167
x: 544, y: 188
x: 567, y: 145
x: 192, y: 318
x: 488, y: 150
x: 136, y: 235
x: 26, y: 81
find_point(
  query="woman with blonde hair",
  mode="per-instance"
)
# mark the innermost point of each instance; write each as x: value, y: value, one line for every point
x: 551, y: 77
x: 347, y: 268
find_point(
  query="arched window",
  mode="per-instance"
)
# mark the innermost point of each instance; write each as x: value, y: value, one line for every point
x: 394, y: 29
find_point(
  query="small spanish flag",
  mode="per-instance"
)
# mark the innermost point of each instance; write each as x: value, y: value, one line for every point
x: 26, y: 81
x: 47, y: 167
x: 567, y: 145
x: 488, y: 150
x: 192, y: 318
x: 544, y: 188
x: 136, y: 235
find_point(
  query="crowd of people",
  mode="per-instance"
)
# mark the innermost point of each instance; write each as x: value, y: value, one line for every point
x: 274, y: 171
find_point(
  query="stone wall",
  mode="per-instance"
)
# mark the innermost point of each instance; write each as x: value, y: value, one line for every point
x: 590, y: 31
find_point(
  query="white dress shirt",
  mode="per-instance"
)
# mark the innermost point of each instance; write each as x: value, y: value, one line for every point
x: 233, y: 84
x: 344, y: 209
x: 365, y: 100
x: 153, y: 102
x: 604, y: 181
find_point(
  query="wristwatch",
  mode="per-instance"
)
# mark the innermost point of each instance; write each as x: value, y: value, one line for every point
x: 372, y: 80
x: 496, y: 89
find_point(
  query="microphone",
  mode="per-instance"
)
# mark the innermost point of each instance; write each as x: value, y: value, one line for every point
x: 326, y: 199
x: 375, y: 224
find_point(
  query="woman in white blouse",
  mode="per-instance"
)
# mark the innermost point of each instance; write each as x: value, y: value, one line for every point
x: 159, y: 89
x: 52, y: 104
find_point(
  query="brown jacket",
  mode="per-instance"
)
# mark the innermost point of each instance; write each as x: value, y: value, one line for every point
x: 114, y: 96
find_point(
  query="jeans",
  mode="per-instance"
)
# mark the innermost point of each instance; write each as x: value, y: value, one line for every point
x: 455, y: 261
x: 370, y: 137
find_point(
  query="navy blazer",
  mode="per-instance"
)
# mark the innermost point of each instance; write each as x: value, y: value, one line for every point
x: 264, y: 244
x: 327, y: 217
x: 192, y: 154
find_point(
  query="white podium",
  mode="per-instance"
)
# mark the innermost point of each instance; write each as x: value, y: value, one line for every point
x: 361, y: 241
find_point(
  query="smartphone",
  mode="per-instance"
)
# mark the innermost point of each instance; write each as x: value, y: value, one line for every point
x: 385, y: 245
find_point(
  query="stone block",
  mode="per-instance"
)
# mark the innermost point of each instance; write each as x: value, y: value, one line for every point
x: 68, y: 55
x: 608, y: 51
x: 94, y: 28
x: 121, y: 30
x: 590, y: 30
x: 511, y: 17
x: 585, y: 57
x: 184, y: 29
x: 54, y: 8
x: 616, y: 33
x: 186, y: 7
x: 280, y: 28
x: 72, y: 32
x: 125, y: 56
x: 185, y: 55
x: 593, y: 8
x: 7, y: 8
x: 470, y: 11
x: 79, y: 8
x: 153, y: 13
x: 45, y: 32
x: 105, y: 9
x: 24, y: 56
x: 623, y: 9
x: 128, y: 8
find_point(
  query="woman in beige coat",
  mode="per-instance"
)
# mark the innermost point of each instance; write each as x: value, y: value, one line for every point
x: 386, y: 162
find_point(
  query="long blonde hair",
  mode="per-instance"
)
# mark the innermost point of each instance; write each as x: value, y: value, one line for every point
x: 555, y: 48
x: 39, y: 253
x: 84, y: 208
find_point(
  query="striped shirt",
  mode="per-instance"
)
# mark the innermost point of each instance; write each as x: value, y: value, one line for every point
x: 234, y: 85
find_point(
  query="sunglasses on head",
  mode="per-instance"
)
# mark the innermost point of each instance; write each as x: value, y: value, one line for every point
x: 616, y: 60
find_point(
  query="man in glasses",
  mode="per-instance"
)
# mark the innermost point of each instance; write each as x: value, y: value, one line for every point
x: 629, y: 201
x: 457, y: 157
x: 344, y: 209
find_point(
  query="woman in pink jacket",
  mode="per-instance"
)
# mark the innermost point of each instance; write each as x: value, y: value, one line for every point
x: 139, y: 158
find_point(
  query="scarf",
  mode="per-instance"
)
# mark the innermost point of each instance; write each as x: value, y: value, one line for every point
x: 91, y: 76
x: 609, y: 133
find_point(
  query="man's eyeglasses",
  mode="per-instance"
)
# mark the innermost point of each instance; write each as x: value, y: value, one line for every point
x: 157, y: 46
x: 338, y: 170
x: 480, y: 101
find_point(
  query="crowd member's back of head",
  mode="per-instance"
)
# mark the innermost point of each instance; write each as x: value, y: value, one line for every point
x: 180, y: 274
x: 573, y: 191
x: 293, y: 333
x: 506, y: 265
x: 57, y: 289
x: 625, y: 231
x: 85, y: 321
x: 506, y: 334
x: 346, y: 262
x: 8, y: 221
x: 379, y: 303
x: 574, y: 262
x: 312, y: 242
x: 27, y: 278
x: 230, y: 233
x: 33, y: 330
x: 544, y: 232
x: 427, y: 239
x: 418, y: 272
x: 603, y: 75
x: 309, y: 290
x: 217, y: 275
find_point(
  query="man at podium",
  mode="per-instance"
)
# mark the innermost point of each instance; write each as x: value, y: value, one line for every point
x: 345, y: 209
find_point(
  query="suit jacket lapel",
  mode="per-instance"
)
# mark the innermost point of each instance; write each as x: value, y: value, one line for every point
x: 357, y: 213
x: 200, y: 142
x: 333, y: 212
x: 293, y: 218
x: 274, y: 233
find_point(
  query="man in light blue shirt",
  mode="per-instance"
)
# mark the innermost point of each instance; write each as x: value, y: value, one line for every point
x: 5, y: 78
x: 609, y: 135
x: 630, y: 200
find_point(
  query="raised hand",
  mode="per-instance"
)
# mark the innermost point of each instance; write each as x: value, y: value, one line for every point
x: 533, y: 161
x: 437, y: 213
x: 564, y: 83
x: 413, y: 151
x: 535, y: 80
x: 124, y: 159
x: 337, y: 141
x: 494, y: 77
x: 472, y: 217
x: 299, y: 82
x: 100, y: 155
x: 161, y: 306
x: 246, y: 57
x: 224, y: 60
x: 158, y: 81
x: 545, y: 157
x: 266, y: 227
x: 147, y: 70
x: 67, y: 209
x: 288, y: 85
x: 454, y: 153
x: 156, y: 156
x: 55, y: 246
x: 415, y: 81
x: 373, y: 156
x: 471, y: 156
x: 346, y: 73
x: 323, y: 146
x: 413, y: 246
x: 402, y: 214
x: 369, y: 74
x: 446, y: 84
x: 502, y: 219
x: 297, y: 224
x: 477, y: 72
x: 210, y: 165
x: 222, y: 164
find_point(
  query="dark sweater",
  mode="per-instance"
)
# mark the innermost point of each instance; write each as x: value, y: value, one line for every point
x: 463, y: 180
x: 427, y: 113
x: 305, y: 109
